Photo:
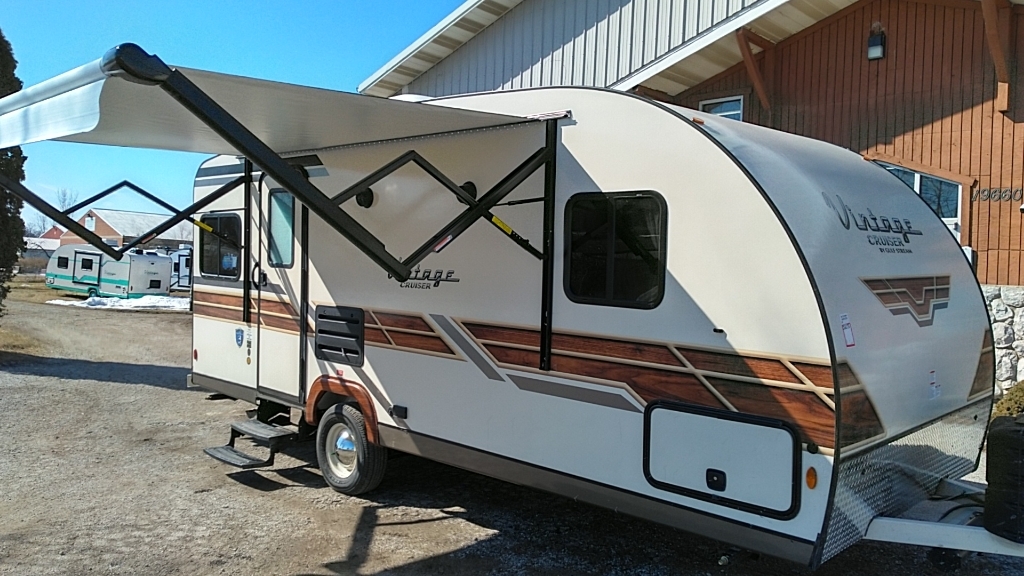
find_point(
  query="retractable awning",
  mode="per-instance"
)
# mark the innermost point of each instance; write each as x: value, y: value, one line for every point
x: 95, y: 105
x: 131, y: 98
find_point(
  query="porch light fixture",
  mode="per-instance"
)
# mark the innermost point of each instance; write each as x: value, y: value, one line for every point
x: 876, y: 42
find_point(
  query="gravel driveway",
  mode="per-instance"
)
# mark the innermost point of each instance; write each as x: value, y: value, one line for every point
x: 102, y: 472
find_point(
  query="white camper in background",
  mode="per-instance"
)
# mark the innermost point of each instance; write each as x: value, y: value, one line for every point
x: 82, y: 268
x: 754, y: 336
x: 181, y: 269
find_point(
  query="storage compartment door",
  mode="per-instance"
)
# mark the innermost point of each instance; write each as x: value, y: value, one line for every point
x: 745, y: 462
x: 87, y: 268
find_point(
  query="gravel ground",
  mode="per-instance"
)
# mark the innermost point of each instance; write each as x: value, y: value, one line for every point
x: 102, y: 471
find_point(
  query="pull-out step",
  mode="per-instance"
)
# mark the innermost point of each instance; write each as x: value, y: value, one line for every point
x: 272, y: 436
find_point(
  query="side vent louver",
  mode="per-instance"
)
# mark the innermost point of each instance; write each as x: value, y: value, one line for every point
x: 339, y: 335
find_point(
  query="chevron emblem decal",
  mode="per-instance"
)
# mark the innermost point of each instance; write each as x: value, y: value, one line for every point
x: 918, y: 296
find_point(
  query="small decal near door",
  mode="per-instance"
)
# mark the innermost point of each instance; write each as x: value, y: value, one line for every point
x: 239, y: 336
x: 844, y: 319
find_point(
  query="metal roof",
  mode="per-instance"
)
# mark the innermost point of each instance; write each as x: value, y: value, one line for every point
x: 446, y: 37
x: 135, y: 224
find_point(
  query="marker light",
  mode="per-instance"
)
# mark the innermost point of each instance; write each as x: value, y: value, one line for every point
x: 812, y: 478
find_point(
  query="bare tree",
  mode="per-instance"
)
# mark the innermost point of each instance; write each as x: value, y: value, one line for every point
x: 66, y: 198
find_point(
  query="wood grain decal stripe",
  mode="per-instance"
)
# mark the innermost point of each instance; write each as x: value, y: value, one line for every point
x: 404, y: 331
x: 798, y: 391
x: 216, y: 312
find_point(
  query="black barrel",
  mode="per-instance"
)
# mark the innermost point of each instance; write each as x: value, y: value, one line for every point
x: 1004, y: 499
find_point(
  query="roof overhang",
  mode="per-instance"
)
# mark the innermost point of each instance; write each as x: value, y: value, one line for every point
x: 436, y: 44
x: 91, y: 105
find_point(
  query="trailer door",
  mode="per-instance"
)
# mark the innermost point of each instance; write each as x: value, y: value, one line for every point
x: 87, y: 268
x: 280, y: 294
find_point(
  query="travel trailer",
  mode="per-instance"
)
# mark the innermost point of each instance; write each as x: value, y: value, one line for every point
x: 83, y: 269
x: 749, y: 335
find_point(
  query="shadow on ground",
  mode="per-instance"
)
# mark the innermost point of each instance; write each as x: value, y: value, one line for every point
x: 534, y: 532
x: 168, y: 377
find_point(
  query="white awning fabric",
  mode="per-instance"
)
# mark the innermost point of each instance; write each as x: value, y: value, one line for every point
x: 85, y: 105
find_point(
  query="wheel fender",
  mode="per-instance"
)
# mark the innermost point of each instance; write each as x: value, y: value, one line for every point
x: 342, y: 387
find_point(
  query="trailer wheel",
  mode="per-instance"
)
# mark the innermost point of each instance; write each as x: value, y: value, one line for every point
x: 93, y: 293
x: 349, y: 462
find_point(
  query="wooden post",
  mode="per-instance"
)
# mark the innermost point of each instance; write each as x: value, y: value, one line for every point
x: 745, y: 37
x: 996, y: 38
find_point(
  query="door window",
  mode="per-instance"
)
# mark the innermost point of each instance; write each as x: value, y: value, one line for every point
x: 281, y: 224
x: 221, y: 250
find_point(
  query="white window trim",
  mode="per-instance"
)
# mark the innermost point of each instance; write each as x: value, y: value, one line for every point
x: 917, y: 190
x: 740, y: 97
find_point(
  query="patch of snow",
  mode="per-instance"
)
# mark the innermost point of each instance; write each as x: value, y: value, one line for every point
x: 144, y: 303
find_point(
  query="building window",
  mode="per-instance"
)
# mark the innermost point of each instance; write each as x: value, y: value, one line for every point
x: 221, y: 250
x: 943, y: 196
x: 90, y: 223
x: 615, y: 249
x: 281, y: 229
x: 731, y: 107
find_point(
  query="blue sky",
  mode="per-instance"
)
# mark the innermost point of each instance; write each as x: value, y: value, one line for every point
x: 329, y: 44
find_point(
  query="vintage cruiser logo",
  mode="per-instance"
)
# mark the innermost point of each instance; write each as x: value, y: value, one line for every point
x: 427, y: 279
x: 892, y: 233
x: 919, y: 296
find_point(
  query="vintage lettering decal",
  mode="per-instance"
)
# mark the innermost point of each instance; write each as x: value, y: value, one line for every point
x: 917, y: 296
x: 900, y: 229
x: 427, y: 279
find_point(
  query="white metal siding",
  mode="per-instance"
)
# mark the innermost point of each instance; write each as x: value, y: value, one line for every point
x: 573, y: 42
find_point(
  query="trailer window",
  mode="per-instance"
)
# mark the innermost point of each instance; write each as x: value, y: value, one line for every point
x: 615, y: 248
x: 282, y: 225
x: 221, y: 250
x: 62, y: 262
x: 86, y: 263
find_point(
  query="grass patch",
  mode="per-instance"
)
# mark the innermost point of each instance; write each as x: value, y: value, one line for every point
x: 34, y: 289
x: 14, y: 344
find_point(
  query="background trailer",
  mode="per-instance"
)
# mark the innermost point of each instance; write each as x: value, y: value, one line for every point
x: 746, y: 334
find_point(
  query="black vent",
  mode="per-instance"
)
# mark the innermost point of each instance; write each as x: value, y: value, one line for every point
x: 339, y: 335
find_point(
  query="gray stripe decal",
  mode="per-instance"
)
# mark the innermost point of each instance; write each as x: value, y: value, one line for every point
x: 372, y: 387
x: 573, y: 393
x: 466, y: 348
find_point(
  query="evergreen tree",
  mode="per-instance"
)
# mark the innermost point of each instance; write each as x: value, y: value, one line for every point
x: 12, y: 165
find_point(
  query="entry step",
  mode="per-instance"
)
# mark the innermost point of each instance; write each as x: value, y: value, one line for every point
x: 272, y: 436
x: 262, y: 431
x: 231, y: 456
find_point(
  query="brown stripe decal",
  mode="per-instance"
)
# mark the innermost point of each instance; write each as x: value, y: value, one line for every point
x: 235, y: 315
x: 408, y: 332
x: 404, y: 321
x: 800, y: 392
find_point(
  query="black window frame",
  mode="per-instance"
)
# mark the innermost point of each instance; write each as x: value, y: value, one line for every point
x: 65, y: 260
x: 662, y: 249
x: 203, y: 235
x: 270, y: 230
x: 86, y: 264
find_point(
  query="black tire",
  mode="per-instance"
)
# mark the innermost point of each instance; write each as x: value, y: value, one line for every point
x: 370, y: 461
x: 93, y: 293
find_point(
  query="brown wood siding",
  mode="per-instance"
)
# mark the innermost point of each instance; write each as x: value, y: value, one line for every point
x: 930, y: 103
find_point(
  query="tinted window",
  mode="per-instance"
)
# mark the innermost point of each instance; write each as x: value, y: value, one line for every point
x: 86, y: 263
x: 615, y: 246
x: 221, y: 249
x: 281, y: 221
x: 154, y: 283
x: 62, y: 262
x: 943, y: 196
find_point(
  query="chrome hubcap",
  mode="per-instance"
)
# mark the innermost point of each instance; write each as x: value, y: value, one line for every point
x: 341, y: 450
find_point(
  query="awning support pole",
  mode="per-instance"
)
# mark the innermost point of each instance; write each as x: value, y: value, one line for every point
x: 548, y: 274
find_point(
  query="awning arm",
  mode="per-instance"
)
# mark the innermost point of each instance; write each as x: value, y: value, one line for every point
x: 130, y: 62
x: 461, y: 193
x: 57, y: 216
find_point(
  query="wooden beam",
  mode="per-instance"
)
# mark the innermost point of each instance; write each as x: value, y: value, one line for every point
x: 758, y: 40
x: 996, y: 40
x: 752, y: 71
